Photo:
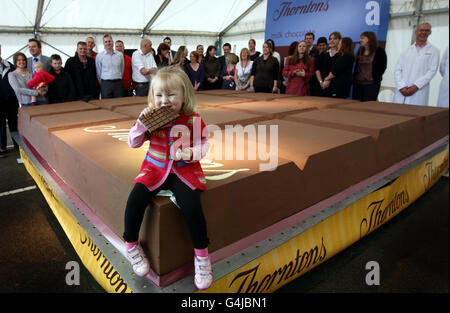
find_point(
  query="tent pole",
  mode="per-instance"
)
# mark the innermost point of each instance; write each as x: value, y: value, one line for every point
x: 250, y: 9
x: 55, y: 48
x: 37, y: 21
x: 155, y: 17
x: 418, y: 14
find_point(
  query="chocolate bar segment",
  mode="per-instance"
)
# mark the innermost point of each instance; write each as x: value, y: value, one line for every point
x: 159, y: 118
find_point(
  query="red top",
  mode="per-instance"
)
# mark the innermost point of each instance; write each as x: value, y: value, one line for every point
x: 40, y: 77
x: 298, y: 85
x: 158, y: 163
x: 126, y: 78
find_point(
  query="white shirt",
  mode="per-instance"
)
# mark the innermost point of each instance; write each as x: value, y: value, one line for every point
x: 443, y: 91
x: 139, y: 60
x: 109, y: 65
x: 244, y: 73
x: 416, y: 67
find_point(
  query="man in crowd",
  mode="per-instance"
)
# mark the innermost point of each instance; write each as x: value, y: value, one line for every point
x: 126, y: 78
x: 90, y: 47
x: 309, y: 40
x: 35, y: 48
x: 223, y: 59
x: 83, y: 73
x: 143, y: 66
x: 415, y: 68
x: 168, y: 41
x: 110, y: 66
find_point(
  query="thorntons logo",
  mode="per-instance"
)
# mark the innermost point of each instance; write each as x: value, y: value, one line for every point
x: 109, y: 272
x: 432, y: 173
x: 303, y: 262
x: 286, y: 9
x: 378, y: 215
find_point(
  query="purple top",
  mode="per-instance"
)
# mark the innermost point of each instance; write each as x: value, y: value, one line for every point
x: 196, y: 76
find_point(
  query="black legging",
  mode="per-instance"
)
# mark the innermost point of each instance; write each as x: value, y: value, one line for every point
x: 187, y: 199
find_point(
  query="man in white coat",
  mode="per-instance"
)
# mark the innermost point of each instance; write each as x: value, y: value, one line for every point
x: 415, y: 68
x: 443, y: 91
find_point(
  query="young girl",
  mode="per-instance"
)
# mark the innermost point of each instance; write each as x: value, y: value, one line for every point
x: 167, y: 166
x: 299, y: 69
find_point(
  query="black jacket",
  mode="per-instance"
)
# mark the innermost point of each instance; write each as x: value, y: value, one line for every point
x: 61, y: 89
x: 379, y: 65
x: 8, y: 99
x: 343, y: 72
x: 84, y: 79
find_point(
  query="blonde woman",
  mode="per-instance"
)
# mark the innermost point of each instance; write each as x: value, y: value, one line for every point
x: 179, y: 60
x: 228, y: 72
x: 243, y: 71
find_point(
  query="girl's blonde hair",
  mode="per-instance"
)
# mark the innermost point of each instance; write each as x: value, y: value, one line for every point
x: 172, y: 78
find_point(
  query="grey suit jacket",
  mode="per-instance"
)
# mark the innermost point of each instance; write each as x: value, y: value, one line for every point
x: 44, y: 59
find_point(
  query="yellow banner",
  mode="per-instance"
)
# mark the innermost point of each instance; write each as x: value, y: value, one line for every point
x: 314, y: 246
x: 91, y: 256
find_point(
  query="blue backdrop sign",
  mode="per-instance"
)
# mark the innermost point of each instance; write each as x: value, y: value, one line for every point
x: 289, y: 21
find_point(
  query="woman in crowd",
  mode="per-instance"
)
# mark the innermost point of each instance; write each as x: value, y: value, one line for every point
x: 265, y: 69
x: 285, y: 79
x: 162, y: 56
x: 275, y: 54
x: 200, y: 52
x: 243, y: 71
x: 195, y: 71
x: 212, y: 69
x: 179, y: 60
x: 251, y: 47
x: 299, y: 69
x: 228, y: 72
x: 371, y: 63
x: 325, y: 62
x: 19, y: 79
x: 339, y: 80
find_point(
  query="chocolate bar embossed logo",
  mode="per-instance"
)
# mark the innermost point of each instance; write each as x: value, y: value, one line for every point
x: 249, y: 280
x: 235, y: 143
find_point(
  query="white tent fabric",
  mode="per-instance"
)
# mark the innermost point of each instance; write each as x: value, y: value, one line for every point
x: 60, y: 24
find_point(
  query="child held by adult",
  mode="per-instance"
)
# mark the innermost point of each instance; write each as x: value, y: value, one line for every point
x: 40, y: 79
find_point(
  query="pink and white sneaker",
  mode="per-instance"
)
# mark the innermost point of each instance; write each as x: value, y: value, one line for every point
x: 138, y: 260
x: 203, y: 272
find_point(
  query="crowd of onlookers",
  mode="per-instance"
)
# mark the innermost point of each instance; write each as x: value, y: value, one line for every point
x: 330, y: 68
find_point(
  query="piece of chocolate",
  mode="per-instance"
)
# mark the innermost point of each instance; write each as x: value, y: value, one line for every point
x: 159, y: 118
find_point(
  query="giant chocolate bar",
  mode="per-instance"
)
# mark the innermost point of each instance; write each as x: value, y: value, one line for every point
x: 319, y: 153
